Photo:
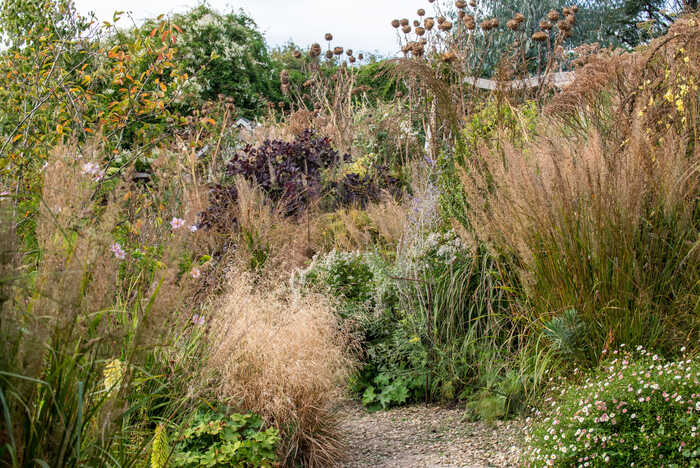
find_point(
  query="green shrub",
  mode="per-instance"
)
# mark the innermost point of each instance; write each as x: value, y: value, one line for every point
x: 636, y: 410
x: 214, y: 439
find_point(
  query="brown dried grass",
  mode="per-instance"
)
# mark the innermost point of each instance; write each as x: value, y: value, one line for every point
x: 285, y: 359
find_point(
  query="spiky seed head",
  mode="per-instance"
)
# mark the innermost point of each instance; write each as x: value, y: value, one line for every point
x: 421, y: 12
x: 564, y: 25
x: 445, y: 26
x: 545, y: 25
x: 441, y: 19
x: 329, y: 36
x: 461, y: 4
x: 297, y: 54
x: 406, y: 29
x: 519, y: 17
x: 429, y: 23
x: 539, y: 36
x: 395, y: 23
x: 338, y: 50
x: 404, y: 21
x: 329, y: 54
x: 420, y: 31
x: 553, y: 15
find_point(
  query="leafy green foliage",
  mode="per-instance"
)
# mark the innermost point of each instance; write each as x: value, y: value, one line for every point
x: 236, y: 440
x: 636, y: 410
x: 569, y: 335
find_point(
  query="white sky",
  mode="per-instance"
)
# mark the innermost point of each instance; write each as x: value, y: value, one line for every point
x: 362, y: 25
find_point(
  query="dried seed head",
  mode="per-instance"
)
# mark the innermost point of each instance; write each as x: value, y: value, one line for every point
x: 423, y: 40
x: 472, y: 3
x: 406, y: 29
x: 564, y: 25
x: 338, y: 51
x: 441, y: 20
x: 349, y: 52
x: 566, y: 11
x: 308, y: 83
x: 395, y: 23
x: 420, y: 31
x: 445, y: 26
x: 540, y: 36
x: 284, y: 77
x: 486, y: 25
x: 553, y: 15
x: 429, y: 23
x: 297, y: 54
x: 512, y: 25
x: 360, y: 56
x: 421, y: 12
x: 352, y: 59
x: 416, y: 23
x: 315, y: 50
x: 460, y: 14
x: 495, y: 23
x: 449, y: 56
x: 404, y: 22
x: 417, y: 49
x: 519, y: 17
x: 545, y: 25
x: 406, y: 49
x: 571, y: 19
x: 461, y: 4
x: 329, y: 54
x: 329, y: 36
x: 574, y: 8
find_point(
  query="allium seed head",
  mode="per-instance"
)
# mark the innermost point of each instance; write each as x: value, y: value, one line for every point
x: 420, y: 31
x: 461, y: 4
x: 429, y: 23
x: 329, y: 36
x: 404, y: 21
x: 553, y: 15
x: 421, y: 12
x: 445, y: 26
x: 545, y: 25
x: 406, y: 29
x: 395, y: 23
x: 539, y: 36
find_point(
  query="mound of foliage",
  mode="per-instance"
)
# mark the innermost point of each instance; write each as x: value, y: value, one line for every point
x: 292, y: 174
x: 636, y: 410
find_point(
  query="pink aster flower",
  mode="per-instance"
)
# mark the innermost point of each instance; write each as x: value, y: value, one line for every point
x: 177, y: 223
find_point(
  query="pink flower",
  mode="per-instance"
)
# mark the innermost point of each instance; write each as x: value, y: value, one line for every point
x: 198, y: 319
x: 118, y: 251
x: 195, y: 273
x: 177, y: 223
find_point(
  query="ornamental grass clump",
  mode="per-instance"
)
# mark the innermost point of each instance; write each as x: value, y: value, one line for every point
x: 636, y: 410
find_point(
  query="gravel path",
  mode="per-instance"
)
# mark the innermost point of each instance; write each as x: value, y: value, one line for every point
x: 419, y: 436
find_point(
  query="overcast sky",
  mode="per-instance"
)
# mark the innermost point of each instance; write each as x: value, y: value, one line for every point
x: 362, y: 25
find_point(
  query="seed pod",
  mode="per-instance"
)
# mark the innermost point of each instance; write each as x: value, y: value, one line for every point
x: 540, y: 36
x: 404, y: 22
x: 352, y: 59
x: 429, y: 23
x: 420, y: 31
x: 360, y: 56
x: 441, y: 20
x: 395, y: 23
x: 297, y: 54
x: 519, y: 17
x: 512, y: 25
x: 338, y: 51
x: 445, y: 26
x: 553, y: 15
x: 564, y: 25
x: 406, y: 29
x: 329, y: 54
x: 545, y: 25
x: 461, y: 4
x: 421, y: 12
x: 329, y: 36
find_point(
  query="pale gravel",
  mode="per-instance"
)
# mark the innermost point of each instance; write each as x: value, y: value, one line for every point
x: 427, y: 436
